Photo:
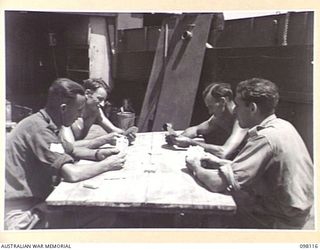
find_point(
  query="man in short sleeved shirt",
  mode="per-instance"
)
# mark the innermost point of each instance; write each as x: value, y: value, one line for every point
x: 275, y: 170
x: 271, y: 178
x: 34, y: 154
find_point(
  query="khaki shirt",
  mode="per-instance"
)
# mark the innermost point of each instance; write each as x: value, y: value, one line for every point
x: 275, y: 169
x: 34, y: 155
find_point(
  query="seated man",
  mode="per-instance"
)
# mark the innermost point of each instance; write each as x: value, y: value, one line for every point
x: 36, y: 157
x: 96, y: 91
x: 271, y: 179
x: 222, y: 124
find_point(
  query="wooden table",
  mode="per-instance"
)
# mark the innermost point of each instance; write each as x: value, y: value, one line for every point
x: 154, y: 179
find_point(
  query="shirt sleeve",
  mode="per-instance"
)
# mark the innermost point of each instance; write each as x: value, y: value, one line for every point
x: 49, y: 149
x: 251, y: 161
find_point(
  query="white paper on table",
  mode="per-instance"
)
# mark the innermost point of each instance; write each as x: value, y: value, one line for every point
x: 122, y: 143
x: 195, y: 151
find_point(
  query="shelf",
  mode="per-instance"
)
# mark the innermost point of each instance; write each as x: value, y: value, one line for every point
x: 79, y: 70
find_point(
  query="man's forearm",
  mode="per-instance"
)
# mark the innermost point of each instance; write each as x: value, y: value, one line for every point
x: 92, y: 143
x: 72, y: 173
x: 84, y: 153
x: 212, y: 179
x: 190, y: 132
x: 82, y: 143
x: 213, y: 149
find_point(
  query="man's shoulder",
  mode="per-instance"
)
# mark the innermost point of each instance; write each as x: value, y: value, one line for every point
x: 225, y: 123
x: 275, y: 126
x: 29, y: 121
x: 34, y: 123
x: 277, y: 130
x: 271, y: 128
x: 41, y: 117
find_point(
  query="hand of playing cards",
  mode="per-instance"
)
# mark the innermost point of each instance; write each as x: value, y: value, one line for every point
x: 130, y: 133
x: 172, y: 134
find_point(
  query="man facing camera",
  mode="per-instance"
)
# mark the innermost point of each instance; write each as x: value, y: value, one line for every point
x: 36, y: 155
x: 96, y: 91
x: 271, y: 178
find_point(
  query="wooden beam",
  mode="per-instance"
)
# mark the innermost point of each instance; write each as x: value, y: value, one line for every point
x: 176, y: 72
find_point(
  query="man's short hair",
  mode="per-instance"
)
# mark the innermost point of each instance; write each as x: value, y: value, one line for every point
x: 63, y: 90
x: 260, y: 91
x: 95, y: 83
x: 218, y: 90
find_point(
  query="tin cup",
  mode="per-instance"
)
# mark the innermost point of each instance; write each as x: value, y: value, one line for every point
x: 125, y: 119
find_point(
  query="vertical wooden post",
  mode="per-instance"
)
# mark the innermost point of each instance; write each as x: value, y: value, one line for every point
x: 99, y: 50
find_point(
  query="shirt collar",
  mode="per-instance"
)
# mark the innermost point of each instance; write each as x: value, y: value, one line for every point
x: 254, y: 131
x: 51, y: 125
x: 267, y: 120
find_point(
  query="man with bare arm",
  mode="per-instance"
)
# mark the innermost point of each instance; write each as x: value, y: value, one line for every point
x: 37, y: 157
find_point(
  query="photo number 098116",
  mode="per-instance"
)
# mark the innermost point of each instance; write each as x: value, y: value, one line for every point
x: 309, y: 246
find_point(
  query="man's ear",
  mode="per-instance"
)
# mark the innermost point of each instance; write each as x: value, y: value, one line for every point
x: 63, y: 107
x: 223, y: 100
x: 253, y: 107
x: 87, y: 92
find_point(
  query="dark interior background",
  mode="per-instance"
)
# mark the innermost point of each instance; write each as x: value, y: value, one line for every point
x: 279, y: 48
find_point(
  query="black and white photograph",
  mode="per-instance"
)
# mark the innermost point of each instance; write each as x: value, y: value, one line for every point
x: 159, y: 120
